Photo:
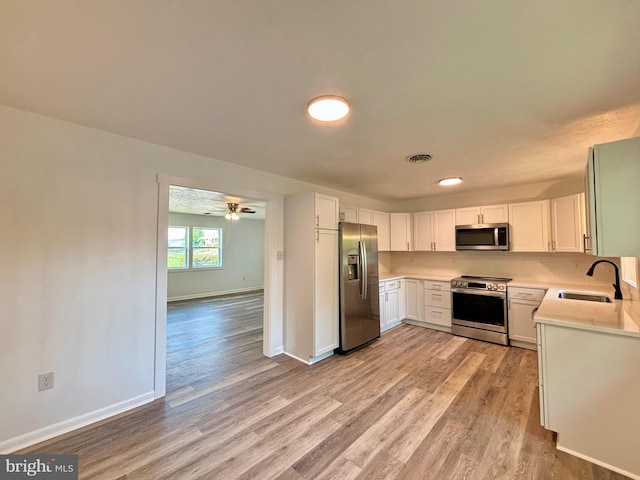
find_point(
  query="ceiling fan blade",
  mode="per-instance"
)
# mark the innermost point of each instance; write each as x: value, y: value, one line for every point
x: 247, y: 210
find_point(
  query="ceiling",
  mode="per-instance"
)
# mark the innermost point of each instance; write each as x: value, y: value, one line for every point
x: 204, y: 202
x: 499, y: 92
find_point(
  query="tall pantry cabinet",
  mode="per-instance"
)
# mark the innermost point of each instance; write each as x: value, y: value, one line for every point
x: 311, y: 276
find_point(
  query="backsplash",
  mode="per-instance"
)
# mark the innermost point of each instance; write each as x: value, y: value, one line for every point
x: 567, y: 268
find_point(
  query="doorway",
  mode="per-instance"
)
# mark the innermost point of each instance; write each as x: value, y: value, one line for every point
x: 273, y: 269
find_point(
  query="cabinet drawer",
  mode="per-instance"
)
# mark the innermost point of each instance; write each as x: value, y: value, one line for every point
x: 535, y: 294
x: 438, y: 316
x: 391, y: 285
x: 435, y: 298
x: 381, y: 287
x: 436, y: 285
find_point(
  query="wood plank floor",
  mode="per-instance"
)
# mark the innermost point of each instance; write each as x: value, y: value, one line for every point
x: 417, y: 404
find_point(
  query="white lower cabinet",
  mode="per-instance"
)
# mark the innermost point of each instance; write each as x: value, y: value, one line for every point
x: 589, y: 393
x: 389, y: 304
x: 437, y: 304
x: 523, y: 303
x: 402, y: 299
x: 413, y: 299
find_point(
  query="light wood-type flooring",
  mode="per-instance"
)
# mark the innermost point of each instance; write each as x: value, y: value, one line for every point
x: 417, y: 404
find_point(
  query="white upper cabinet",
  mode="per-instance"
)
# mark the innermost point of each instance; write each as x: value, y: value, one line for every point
x: 613, y: 173
x: 327, y: 213
x: 400, y: 227
x: 381, y: 220
x: 365, y: 216
x: 529, y: 226
x: 567, y: 223
x: 423, y: 231
x: 434, y: 231
x: 444, y: 230
x: 488, y: 214
x: 348, y: 214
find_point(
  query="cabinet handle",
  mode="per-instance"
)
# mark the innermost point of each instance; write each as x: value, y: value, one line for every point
x: 317, y: 221
x: 317, y: 235
x: 584, y: 243
x: 479, y: 221
x: 435, y: 312
x: 386, y: 297
x: 436, y: 295
x: 553, y: 245
x: 407, y: 245
x: 509, y: 304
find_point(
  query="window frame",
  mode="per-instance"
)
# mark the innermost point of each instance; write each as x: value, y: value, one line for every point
x: 187, y: 248
x: 190, y: 249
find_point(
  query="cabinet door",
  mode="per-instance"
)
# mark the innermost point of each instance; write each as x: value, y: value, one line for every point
x: 383, y: 306
x: 365, y: 216
x: 521, y: 324
x: 381, y: 220
x: 567, y: 220
x: 467, y: 216
x: 400, y: 229
x: 495, y: 214
x: 616, y: 170
x: 327, y: 212
x: 588, y: 240
x: 391, y: 308
x: 529, y: 226
x: 348, y: 214
x: 326, y: 288
x: 444, y: 230
x: 413, y: 290
x: 402, y: 299
x: 423, y: 231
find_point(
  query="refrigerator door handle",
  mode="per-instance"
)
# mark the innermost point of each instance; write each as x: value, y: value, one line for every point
x: 365, y: 272
x: 361, y: 268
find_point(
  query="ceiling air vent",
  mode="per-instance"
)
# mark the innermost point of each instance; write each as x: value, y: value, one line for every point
x: 419, y: 158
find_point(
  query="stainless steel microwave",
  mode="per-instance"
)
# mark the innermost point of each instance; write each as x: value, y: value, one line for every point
x: 486, y: 236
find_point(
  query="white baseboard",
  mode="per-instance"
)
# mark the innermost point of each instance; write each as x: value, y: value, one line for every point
x: 597, y: 462
x: 42, y: 434
x: 214, y: 294
x: 297, y: 358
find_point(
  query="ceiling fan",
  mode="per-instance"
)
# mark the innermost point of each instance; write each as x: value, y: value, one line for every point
x: 233, y: 209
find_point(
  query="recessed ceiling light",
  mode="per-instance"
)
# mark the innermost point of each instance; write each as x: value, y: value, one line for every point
x: 450, y: 181
x: 328, y: 108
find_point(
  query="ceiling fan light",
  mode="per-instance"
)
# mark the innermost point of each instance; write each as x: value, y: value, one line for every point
x: 328, y: 108
x: 235, y: 216
x: 227, y: 215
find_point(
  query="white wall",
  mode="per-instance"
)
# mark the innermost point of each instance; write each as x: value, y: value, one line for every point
x: 79, y: 212
x: 242, y: 259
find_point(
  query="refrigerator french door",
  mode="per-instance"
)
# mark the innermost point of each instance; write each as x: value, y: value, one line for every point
x: 359, y: 302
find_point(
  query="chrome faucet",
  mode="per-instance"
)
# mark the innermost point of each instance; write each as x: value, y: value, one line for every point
x: 618, y: 294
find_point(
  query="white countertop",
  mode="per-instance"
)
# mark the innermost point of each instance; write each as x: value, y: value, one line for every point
x: 397, y: 276
x: 622, y: 317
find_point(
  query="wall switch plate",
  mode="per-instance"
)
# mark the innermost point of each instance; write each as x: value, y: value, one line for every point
x: 280, y: 255
x: 45, y: 381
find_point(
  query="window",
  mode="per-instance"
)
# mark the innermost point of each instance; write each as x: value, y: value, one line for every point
x: 206, y: 247
x: 194, y: 247
x: 178, y: 255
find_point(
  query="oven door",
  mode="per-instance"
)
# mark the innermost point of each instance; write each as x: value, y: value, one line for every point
x: 485, y: 310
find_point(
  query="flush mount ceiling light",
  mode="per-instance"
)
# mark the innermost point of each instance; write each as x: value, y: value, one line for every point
x: 450, y: 181
x: 232, y: 213
x: 328, y: 108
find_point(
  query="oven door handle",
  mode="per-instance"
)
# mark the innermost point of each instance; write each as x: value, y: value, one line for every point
x: 486, y: 293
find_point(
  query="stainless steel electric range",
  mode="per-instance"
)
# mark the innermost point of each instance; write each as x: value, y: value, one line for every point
x: 479, y: 308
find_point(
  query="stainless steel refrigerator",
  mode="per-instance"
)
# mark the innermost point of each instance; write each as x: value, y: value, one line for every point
x: 359, y: 303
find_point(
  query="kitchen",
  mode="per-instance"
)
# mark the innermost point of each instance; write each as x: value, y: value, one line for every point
x: 102, y: 109
x: 421, y: 287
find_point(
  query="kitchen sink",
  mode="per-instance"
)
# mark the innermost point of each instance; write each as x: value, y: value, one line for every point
x: 589, y: 297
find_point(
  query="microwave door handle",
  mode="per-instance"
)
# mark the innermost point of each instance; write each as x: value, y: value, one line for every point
x: 495, y: 236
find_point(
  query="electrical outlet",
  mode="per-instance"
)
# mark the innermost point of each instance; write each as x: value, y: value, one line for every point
x: 45, y: 381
